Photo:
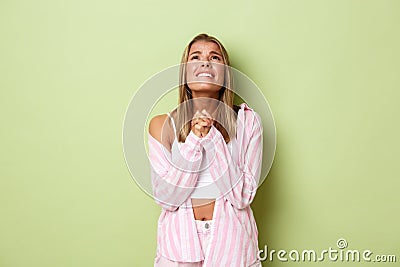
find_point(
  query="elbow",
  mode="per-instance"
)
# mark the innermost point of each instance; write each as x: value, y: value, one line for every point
x: 169, y: 207
x: 242, y: 197
x: 243, y: 204
x: 166, y: 206
x: 240, y: 204
x: 166, y: 200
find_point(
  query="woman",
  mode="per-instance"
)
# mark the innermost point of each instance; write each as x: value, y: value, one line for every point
x: 205, y: 166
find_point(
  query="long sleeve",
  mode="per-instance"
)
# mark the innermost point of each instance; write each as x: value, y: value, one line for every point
x: 174, y: 175
x: 238, y: 181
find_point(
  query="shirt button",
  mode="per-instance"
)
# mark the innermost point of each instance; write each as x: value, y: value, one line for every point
x: 206, y: 225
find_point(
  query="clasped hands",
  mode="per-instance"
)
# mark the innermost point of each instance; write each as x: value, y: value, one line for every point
x: 201, y: 123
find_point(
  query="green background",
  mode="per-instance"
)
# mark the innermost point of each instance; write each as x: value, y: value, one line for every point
x: 329, y: 70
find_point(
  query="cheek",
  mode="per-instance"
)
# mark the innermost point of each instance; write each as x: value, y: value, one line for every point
x: 190, y: 70
x: 189, y: 76
x: 221, y: 73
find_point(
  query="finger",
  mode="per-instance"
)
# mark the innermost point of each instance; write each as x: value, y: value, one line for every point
x: 201, y: 120
x: 197, y: 114
x: 196, y: 132
x: 194, y: 121
x: 209, y: 122
x: 203, y: 123
x: 206, y: 114
x: 202, y: 129
x: 206, y: 122
x: 209, y: 118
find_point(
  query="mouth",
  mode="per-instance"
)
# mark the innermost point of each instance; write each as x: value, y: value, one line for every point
x: 205, y: 74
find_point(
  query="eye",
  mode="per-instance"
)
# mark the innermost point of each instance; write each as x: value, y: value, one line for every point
x: 216, y: 58
x: 194, y: 57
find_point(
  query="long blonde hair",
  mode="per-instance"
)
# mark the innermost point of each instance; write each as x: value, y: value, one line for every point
x: 225, y: 116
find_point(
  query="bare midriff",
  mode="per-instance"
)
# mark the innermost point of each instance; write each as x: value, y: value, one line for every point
x: 203, y: 208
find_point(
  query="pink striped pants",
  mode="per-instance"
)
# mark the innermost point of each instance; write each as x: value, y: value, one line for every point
x: 203, y: 230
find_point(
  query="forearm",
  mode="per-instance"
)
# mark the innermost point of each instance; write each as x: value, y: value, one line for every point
x: 237, y: 181
x: 174, y: 176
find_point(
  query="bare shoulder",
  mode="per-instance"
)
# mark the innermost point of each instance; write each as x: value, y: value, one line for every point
x: 156, y: 126
x: 160, y: 129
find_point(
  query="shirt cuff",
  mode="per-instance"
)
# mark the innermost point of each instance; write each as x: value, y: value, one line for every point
x: 212, y: 138
x: 193, y: 141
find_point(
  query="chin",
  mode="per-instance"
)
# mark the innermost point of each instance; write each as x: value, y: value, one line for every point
x: 204, y: 87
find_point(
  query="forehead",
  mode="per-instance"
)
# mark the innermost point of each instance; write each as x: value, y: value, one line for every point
x: 204, y: 46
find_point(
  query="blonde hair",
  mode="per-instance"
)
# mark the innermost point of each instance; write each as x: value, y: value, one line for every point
x: 225, y: 116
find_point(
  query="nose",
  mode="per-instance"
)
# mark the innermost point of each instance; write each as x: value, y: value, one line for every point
x: 205, y: 64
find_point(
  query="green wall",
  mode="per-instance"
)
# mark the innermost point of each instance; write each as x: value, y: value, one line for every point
x: 329, y: 70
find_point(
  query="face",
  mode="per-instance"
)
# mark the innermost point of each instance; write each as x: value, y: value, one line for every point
x: 205, y: 68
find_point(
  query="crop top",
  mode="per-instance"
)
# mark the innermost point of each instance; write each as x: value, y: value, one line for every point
x: 205, y: 186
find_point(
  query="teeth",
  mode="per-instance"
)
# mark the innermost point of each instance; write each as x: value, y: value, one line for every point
x: 204, y: 75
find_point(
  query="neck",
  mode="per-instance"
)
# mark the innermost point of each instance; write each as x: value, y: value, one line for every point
x: 208, y: 103
x: 199, y: 94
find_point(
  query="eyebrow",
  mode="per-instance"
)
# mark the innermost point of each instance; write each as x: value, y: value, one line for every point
x: 212, y: 52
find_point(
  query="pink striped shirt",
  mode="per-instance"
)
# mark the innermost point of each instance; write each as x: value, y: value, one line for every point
x: 234, y: 234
